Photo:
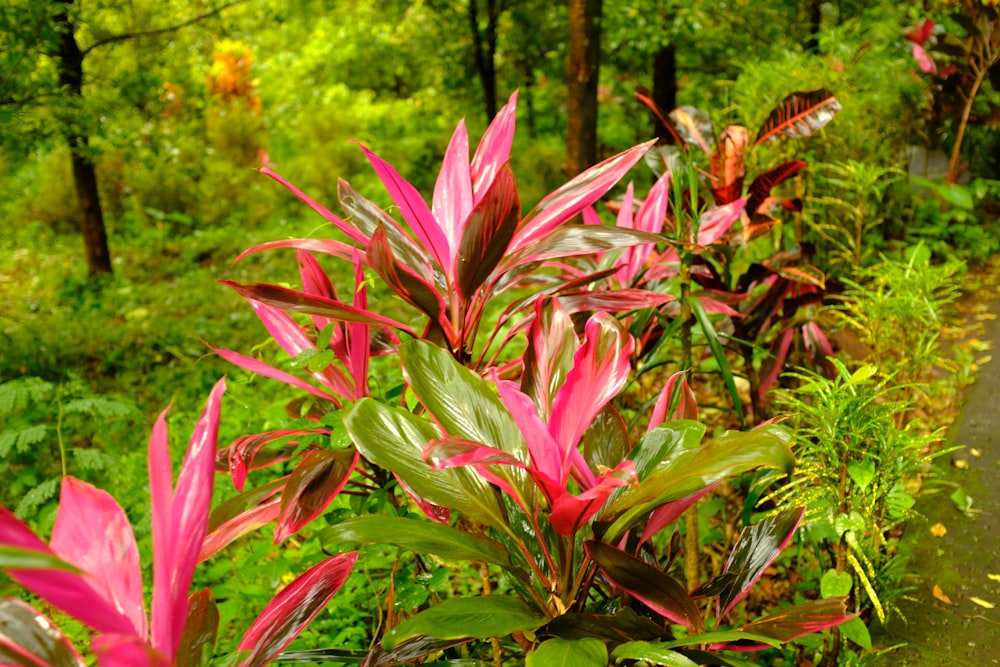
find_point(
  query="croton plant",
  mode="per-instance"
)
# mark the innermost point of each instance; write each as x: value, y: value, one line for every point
x: 501, y: 437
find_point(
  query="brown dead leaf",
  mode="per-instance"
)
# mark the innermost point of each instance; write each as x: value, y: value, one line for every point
x: 941, y: 596
x: 938, y: 530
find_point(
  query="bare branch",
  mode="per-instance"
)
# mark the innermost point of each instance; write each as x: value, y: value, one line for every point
x: 160, y: 31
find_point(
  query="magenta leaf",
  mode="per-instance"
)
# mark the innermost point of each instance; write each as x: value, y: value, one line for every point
x: 676, y: 401
x: 126, y: 651
x: 570, y: 200
x: 754, y: 552
x: 316, y: 481
x: 548, y: 468
x: 600, y: 369
x: 28, y: 638
x: 325, y: 246
x: 298, y: 302
x: 494, y: 149
x: 93, y: 533
x: 665, y: 515
x: 655, y: 589
x: 242, y: 524
x: 572, y: 239
x: 552, y: 343
x: 180, y: 519
x: 72, y: 593
x: 293, y: 608
x: 613, y: 301
x: 268, y: 371
x: 351, y: 232
x: 452, y: 201
x: 244, y: 454
x: 413, y: 209
x: 570, y: 512
x: 403, y: 280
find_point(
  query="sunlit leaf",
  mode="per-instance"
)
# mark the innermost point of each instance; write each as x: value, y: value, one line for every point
x: 479, y: 617
x: 419, y: 537
x: 27, y: 638
x: 314, y: 483
x: 589, y: 652
x: 799, y: 115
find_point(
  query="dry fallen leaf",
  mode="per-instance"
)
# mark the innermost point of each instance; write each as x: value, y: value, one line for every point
x: 976, y: 452
x: 961, y: 464
x: 983, y: 603
x: 938, y: 530
x: 994, y: 577
x: 940, y: 595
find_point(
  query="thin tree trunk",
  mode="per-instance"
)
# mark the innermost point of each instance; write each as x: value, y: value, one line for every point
x: 582, y: 73
x: 485, y: 49
x: 815, y: 20
x: 70, y: 62
x: 665, y: 87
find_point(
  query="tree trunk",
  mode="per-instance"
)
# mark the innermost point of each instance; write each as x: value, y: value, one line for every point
x: 665, y: 87
x: 70, y: 63
x: 815, y: 19
x: 582, y: 70
x: 485, y: 49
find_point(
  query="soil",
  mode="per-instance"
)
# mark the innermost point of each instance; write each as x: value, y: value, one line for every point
x: 952, y: 613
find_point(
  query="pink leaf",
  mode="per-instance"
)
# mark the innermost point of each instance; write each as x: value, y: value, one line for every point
x: 573, y: 197
x: 325, y: 246
x: 359, y: 335
x: 546, y: 457
x: 351, y: 232
x: 316, y: 481
x: 687, y: 402
x: 413, y: 209
x: 240, y: 525
x: 72, y: 593
x: 180, y: 519
x: 665, y: 515
x: 649, y: 219
x: 779, y: 354
x: 268, y: 371
x: 294, y: 341
x: 715, y: 222
x: 494, y: 149
x: 242, y: 454
x: 452, y: 202
x: 600, y: 369
x: 293, y: 608
x: 126, y: 651
x: 93, y: 533
x: 569, y: 512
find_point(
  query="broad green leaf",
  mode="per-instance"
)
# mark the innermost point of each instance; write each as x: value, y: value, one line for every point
x: 718, y: 353
x: 657, y: 590
x: 26, y: 559
x: 653, y: 653
x: 664, y: 443
x: 480, y: 617
x: 27, y: 637
x: 862, y: 374
x: 605, y: 442
x: 694, y: 469
x: 856, y: 630
x: 589, y: 652
x: 862, y: 472
x: 394, y: 439
x: 834, y: 585
x: 420, y: 537
x: 847, y: 522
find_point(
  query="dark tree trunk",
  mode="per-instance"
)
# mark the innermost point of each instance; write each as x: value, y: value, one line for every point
x: 70, y: 62
x: 485, y: 49
x: 665, y: 87
x: 815, y: 18
x: 582, y: 70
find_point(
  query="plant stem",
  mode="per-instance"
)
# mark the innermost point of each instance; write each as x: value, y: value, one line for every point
x: 59, y: 437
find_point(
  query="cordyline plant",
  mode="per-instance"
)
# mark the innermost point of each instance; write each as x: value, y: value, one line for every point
x: 768, y: 300
x: 450, y: 261
x: 563, y: 505
x: 519, y: 461
x: 90, y: 571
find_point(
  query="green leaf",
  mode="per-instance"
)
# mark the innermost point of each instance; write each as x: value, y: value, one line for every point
x: 694, y: 469
x: 479, y: 618
x: 856, y: 630
x: 845, y: 522
x: 862, y: 472
x: 653, y: 653
x: 863, y: 374
x: 718, y: 352
x: 420, y: 537
x: 665, y: 442
x: 24, y: 559
x: 393, y: 439
x: 834, y: 585
x: 606, y: 442
x: 589, y: 652
x: 720, y: 637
